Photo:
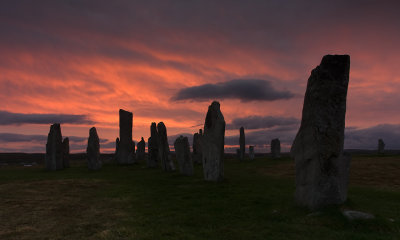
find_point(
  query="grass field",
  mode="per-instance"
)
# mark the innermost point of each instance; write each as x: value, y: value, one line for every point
x: 255, y: 201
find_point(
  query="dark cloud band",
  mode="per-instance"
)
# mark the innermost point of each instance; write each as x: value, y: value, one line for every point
x: 9, y: 118
x: 243, y: 89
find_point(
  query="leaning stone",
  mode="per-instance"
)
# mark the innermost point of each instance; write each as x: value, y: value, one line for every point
x: 126, y: 147
x: 356, y: 215
x: 153, y: 147
x: 54, y: 149
x: 182, y: 150
x: 93, y: 150
x: 163, y: 148
x: 141, y: 148
x: 212, y: 144
x: 65, y: 144
x: 275, y: 148
x: 322, y: 169
x: 242, y: 144
x: 251, y: 152
x: 381, y: 146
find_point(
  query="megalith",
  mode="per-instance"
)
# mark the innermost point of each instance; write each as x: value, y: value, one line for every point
x: 275, y: 148
x: 182, y: 151
x: 197, y: 147
x: 163, y: 148
x: 251, y: 152
x: 322, y: 168
x: 141, y: 148
x: 65, y: 144
x: 381, y: 146
x: 54, y: 149
x: 126, y: 147
x: 212, y: 143
x: 93, y: 150
x: 242, y: 144
x: 152, y: 147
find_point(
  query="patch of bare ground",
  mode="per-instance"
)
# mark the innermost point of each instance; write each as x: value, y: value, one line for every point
x: 56, y: 209
x: 373, y: 171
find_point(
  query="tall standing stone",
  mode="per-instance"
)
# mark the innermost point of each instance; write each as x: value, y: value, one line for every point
x: 275, y: 148
x: 126, y: 147
x: 242, y: 144
x: 197, y: 147
x: 251, y: 152
x: 163, y: 148
x: 322, y: 169
x: 381, y: 146
x: 212, y: 144
x: 182, y: 150
x: 153, y: 147
x: 54, y: 148
x: 65, y: 144
x: 141, y: 148
x: 93, y: 150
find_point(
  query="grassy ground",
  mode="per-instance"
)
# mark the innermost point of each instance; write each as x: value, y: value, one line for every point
x: 255, y: 201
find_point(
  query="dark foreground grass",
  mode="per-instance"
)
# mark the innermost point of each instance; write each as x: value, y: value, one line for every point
x: 255, y: 201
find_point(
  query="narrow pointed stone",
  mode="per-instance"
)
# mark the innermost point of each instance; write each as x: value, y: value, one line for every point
x: 163, y: 148
x: 242, y: 144
x: 126, y: 147
x: 93, y: 150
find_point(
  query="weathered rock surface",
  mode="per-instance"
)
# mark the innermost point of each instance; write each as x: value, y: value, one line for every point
x: 381, y: 146
x: 54, y: 149
x: 322, y: 169
x: 163, y: 148
x: 141, y: 148
x: 93, y: 150
x: 212, y: 144
x: 251, y: 152
x: 153, y: 147
x: 275, y: 148
x: 65, y: 144
x: 126, y: 147
x: 242, y: 144
x: 197, y: 152
x: 182, y: 150
x: 356, y: 215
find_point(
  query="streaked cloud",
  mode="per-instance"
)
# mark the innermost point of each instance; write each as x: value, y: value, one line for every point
x: 10, y: 118
x: 259, y: 122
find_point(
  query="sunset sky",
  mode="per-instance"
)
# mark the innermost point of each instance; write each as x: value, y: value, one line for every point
x: 78, y: 62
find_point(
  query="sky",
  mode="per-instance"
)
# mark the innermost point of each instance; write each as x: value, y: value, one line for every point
x: 78, y: 62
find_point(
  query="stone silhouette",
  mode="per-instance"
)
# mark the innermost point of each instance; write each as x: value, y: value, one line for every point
x: 212, y: 144
x: 242, y: 144
x: 275, y: 148
x: 163, y: 148
x: 322, y: 168
x: 126, y: 147
x: 65, y: 144
x: 251, y: 152
x: 153, y: 147
x: 182, y: 150
x: 381, y: 146
x: 197, y: 153
x: 93, y: 150
x: 54, y: 149
x: 141, y: 148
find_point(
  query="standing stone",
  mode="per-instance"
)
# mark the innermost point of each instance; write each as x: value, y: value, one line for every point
x: 182, y: 150
x: 322, y: 169
x: 381, y: 146
x: 163, y: 148
x: 54, y: 149
x: 126, y: 147
x: 238, y: 153
x: 153, y: 147
x: 197, y: 147
x: 141, y: 148
x: 212, y: 144
x: 275, y: 148
x: 93, y: 150
x: 251, y: 152
x: 242, y: 144
x: 65, y: 144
